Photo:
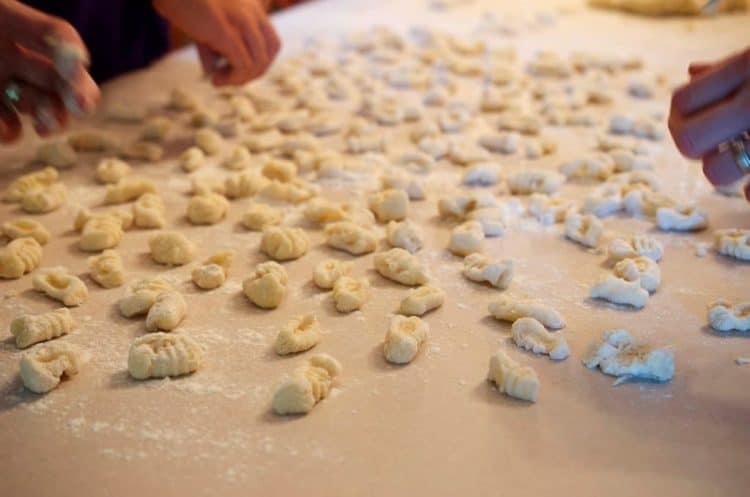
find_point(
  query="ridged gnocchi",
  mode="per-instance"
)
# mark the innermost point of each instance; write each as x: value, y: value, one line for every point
x: 350, y: 237
x: 300, y: 334
x: 258, y: 216
x: 405, y: 235
x: 327, y: 272
x: 530, y: 334
x: 101, y: 231
x: 584, y: 229
x: 29, y: 329
x: 111, y: 170
x: 641, y: 269
x: 214, y: 271
x: 159, y: 355
x: 266, y: 287
x: 308, y: 385
x: 171, y: 248
x: 245, y: 184
x: 466, y: 238
x: 209, y: 141
x: 106, y: 269
x: 534, y: 181
x: 148, y: 211
x: 127, y: 189
x: 58, y: 284
x: 620, y: 291
x: 483, y: 269
x: 26, y: 183
x: 141, y: 295
x: 512, y: 379
x: 733, y: 243
x: 404, y: 337
x: 400, y: 266
x: 681, y: 218
x: 44, y: 199
x: 192, y: 159
x: 350, y: 294
x: 419, y: 301
x: 636, y: 246
x: 26, y: 227
x: 43, y: 367
x: 283, y: 243
x: 208, y: 208
x: 725, y: 316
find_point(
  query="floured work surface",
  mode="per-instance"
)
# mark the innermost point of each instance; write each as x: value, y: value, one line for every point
x: 434, y: 426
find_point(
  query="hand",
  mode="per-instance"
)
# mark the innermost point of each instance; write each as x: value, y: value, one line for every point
x: 713, y: 108
x: 238, y: 31
x: 44, y: 60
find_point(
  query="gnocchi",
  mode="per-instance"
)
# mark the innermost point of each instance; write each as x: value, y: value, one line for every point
x: 214, y: 271
x: 209, y: 141
x: 641, y: 269
x: 244, y: 184
x: 733, y: 243
x: 57, y: 153
x: 29, y: 329
x: 283, y: 243
x: 143, y: 151
x: 171, y: 248
x: 508, y: 309
x: 636, y: 246
x: 405, y: 235
x: 266, y: 287
x: 159, y: 355
x: 350, y: 294
x: 466, y: 238
x: 512, y: 379
x: 404, y: 337
x: 101, y: 231
x: 389, y: 205
x: 534, y: 181
x: 549, y: 210
x: 620, y: 291
x: 584, y: 229
x: 192, y: 159
x: 43, y: 200
x: 23, y: 227
x: 106, y: 269
x: 167, y: 313
x: 60, y: 285
x: 400, y: 266
x: 43, y: 367
x: 141, y: 295
x: 111, y: 170
x: 26, y: 183
x: 480, y: 268
x: 327, y: 272
x: 597, y: 167
x: 530, y: 334
x: 127, y: 189
x: 419, y: 301
x: 724, y: 316
x: 618, y: 354
x: 148, y: 211
x: 350, y: 237
x: 208, y: 208
x: 308, y: 385
x: 686, y: 218
x: 300, y: 334
x: 258, y: 216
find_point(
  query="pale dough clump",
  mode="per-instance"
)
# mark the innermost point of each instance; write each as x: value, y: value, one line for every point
x: 258, y: 216
x: 327, y: 272
x: 400, y: 266
x: 29, y: 329
x: 283, y: 243
x: 534, y: 181
x: 171, y: 248
x: 266, y: 287
x: 638, y: 245
x: 620, y: 291
x: 101, y: 231
x: 686, y: 218
x: 209, y: 208
x: 508, y: 309
x: 549, y: 210
x: 530, y: 334
x: 618, y: 354
x: 167, y: 313
x: 597, y: 166
x: 245, y: 184
x: 420, y: 301
x: 350, y: 294
x: 148, y: 211
x: 308, y: 385
x: 405, y: 235
x: 25, y: 227
x: 480, y: 268
x: 403, y: 339
x: 214, y: 271
x: 45, y: 199
x: 158, y: 355
x: 725, y: 316
x: 584, y: 229
x: 192, y: 159
x: 641, y: 269
x: 27, y: 183
x: 734, y: 243
x: 19, y: 257
x: 106, y: 269
x: 127, y: 189
x: 60, y: 285
x: 389, y: 205
x: 300, y: 334
x: 141, y: 295
x: 466, y: 238
x: 112, y: 170
x: 322, y: 211
x: 512, y: 379
x: 209, y: 141
x: 350, y: 237
x: 43, y: 367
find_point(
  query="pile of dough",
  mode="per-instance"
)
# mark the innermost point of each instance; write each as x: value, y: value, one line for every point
x: 309, y: 384
x: 404, y: 337
x: 618, y: 354
x: 512, y: 379
x: 43, y: 367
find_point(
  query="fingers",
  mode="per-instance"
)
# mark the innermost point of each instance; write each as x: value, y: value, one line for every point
x: 273, y: 43
x: 10, y: 124
x: 697, y: 68
x: 209, y: 58
x: 720, y: 168
x: 712, y: 85
x: 704, y: 131
x: 45, y: 108
x: 239, y: 66
x: 747, y: 191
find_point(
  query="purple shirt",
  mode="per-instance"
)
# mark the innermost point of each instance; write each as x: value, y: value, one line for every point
x: 121, y: 35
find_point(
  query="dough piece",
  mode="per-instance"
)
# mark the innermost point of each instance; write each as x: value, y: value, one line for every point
x: 530, y: 334
x: 400, y: 266
x: 19, y: 257
x: 141, y: 295
x: 350, y: 294
x: 266, y: 287
x: 294, y: 192
x: 242, y: 107
x: 465, y: 154
x: 214, y: 271
x: 101, y: 231
x: 202, y: 117
x: 404, y: 337
x: 512, y: 379
x: 419, y: 301
x: 308, y: 385
x: 264, y: 142
x: 460, y: 206
x: 245, y: 184
x: 93, y: 141
x: 209, y: 208
x: 405, y: 235
x: 733, y: 243
x: 645, y: 202
x: 148, y: 211
x: 620, y: 291
x: 725, y: 316
x: 501, y: 143
x: 626, y: 161
x: 239, y: 159
x: 112, y: 170
x: 416, y: 162
x: 636, y: 246
x: 641, y: 269
x: 26, y: 183
x: 327, y: 272
x: 258, y: 216
x: 29, y: 329
x: 350, y: 237
x: 283, y: 243
x: 125, y: 113
x: 480, y: 268
x: 192, y: 159
x: 300, y: 334
x: 60, y: 285
x: 171, y: 248
x: 436, y: 147
x: 167, y: 313
x: 158, y: 355
x: 597, y: 167
x: 182, y: 100
x: 106, y: 269
x: 618, y: 354
x: 537, y: 148
x: 143, y: 151
x: 280, y: 170
x: 604, y: 201
x: 494, y: 220
x: 43, y: 367
x: 57, y: 153
x: 534, y: 181
x: 685, y: 218
x: 481, y: 174
x: 209, y: 141
x: 389, y: 205
x: 401, y: 180
x: 321, y: 211
x: 23, y: 227
x: 127, y: 189
x: 584, y: 229
x: 454, y: 119
x: 43, y: 200
x: 511, y: 310
x: 466, y: 238
x: 156, y: 129
x: 549, y: 210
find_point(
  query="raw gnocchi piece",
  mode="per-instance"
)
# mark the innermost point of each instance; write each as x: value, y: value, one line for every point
x: 620, y: 291
x: 584, y: 229
x: 404, y: 337
x: 725, y: 316
x: 258, y: 216
x: 525, y: 124
x: 645, y: 202
x: 481, y: 174
x: 321, y: 211
x: 111, y: 170
x: 209, y: 208
x: 300, y: 334
x: 167, y: 313
x: 203, y: 117
x: 266, y: 287
x: 283, y: 243
x: 106, y: 269
x: 45, y: 199
x: 57, y: 153
x: 419, y: 301
x: 483, y: 269
x: 511, y: 310
x: 400, y: 266
x: 536, y: 148
x: 23, y: 227
x: 103, y: 230
x: 26, y: 183
x: 636, y: 246
x: 416, y: 161
x: 43, y: 367
x: 295, y: 192
x: 280, y: 170
x: 350, y: 237
x: 148, y: 211
x: 501, y: 143
x: 641, y: 269
x: 549, y: 210
x: 466, y: 238
x: 389, y: 205
x: 405, y: 235
x: 192, y: 159
x: 209, y: 141
x: 93, y: 141
x: 127, y: 189
x: 618, y: 354
x: 494, y: 220
x: 143, y: 150
x: 29, y: 329
x: 604, y: 201
x: 435, y: 146
x: 512, y: 379
x: 171, y: 248
x: 733, y: 243
x: 182, y: 100
x: 60, y: 285
x: 157, y: 129
x: 214, y: 271
x: 465, y: 154
x: 245, y: 184
x: 681, y: 218
x: 159, y: 355
x: 141, y: 295
x: 530, y: 334
x: 350, y: 294
x: 597, y: 167
x: 264, y: 142
x: 401, y: 180
x: 308, y: 385
x: 327, y: 272
x: 125, y: 113
x: 626, y: 161
x: 534, y: 181
x: 460, y: 206
x: 239, y: 159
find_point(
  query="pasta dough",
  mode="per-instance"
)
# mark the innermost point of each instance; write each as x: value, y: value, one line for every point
x: 725, y: 316
x: 29, y: 329
x: 60, y: 285
x: 167, y: 313
x: 283, y: 243
x: 404, y: 337
x: 300, y: 334
x: 734, y: 243
x: 584, y: 229
x: 512, y: 379
x: 480, y: 268
x: 112, y: 170
x: 419, y: 301
x: 127, y: 189
x: 466, y: 238
x: 26, y: 183
x: 106, y: 269
x: 350, y: 237
x: 530, y: 334
x: 350, y: 294
x: 258, y: 216
x: 214, y: 271
x: 308, y: 385
x: 158, y: 355
x: 43, y: 367
x: 327, y: 272
x: 141, y: 295
x: 101, y: 231
x: 618, y: 354
x: 148, y: 211
x: 641, y: 269
x: 171, y: 248
x: 400, y: 266
x: 266, y: 287
x: 620, y: 291
x: 405, y: 235
x: 26, y: 227
x: 389, y: 205
x: 208, y: 208
x: 45, y: 199
x: 508, y: 309
x: 636, y: 246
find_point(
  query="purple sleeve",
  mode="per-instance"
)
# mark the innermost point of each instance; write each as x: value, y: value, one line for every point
x: 121, y: 35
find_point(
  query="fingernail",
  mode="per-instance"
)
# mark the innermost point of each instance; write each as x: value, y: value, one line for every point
x: 66, y: 57
x: 71, y: 103
x: 46, y: 117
